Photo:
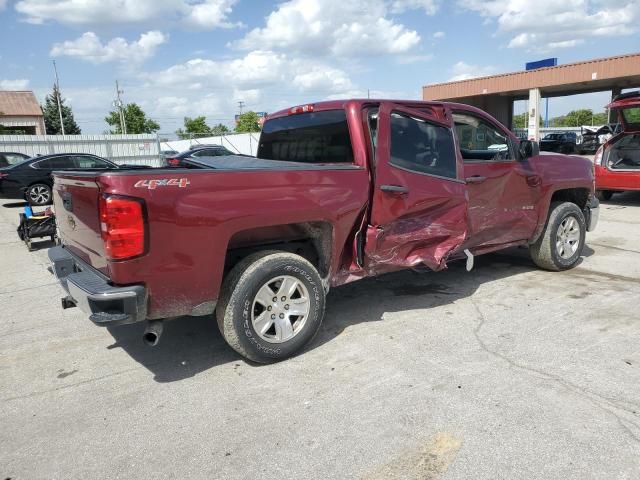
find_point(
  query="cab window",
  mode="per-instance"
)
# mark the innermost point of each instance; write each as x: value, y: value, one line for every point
x: 422, y: 146
x: 480, y: 140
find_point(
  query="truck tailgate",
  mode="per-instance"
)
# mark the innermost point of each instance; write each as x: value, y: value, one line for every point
x: 76, y: 200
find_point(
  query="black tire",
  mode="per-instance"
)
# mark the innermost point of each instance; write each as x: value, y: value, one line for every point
x: 237, y: 304
x: 39, y: 194
x: 604, y: 195
x: 544, y: 252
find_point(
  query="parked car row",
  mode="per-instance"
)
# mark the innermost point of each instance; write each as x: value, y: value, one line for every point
x: 560, y: 142
x: 31, y: 178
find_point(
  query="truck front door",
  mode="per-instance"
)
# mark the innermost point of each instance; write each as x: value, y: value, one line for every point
x: 503, y: 191
x: 419, y: 200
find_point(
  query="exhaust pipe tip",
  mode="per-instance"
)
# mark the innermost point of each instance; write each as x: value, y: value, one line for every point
x: 152, y: 333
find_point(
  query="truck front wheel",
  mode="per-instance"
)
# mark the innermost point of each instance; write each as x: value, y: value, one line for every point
x: 560, y: 244
x: 271, y: 306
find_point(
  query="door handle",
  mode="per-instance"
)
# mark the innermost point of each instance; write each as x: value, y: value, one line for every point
x: 396, y: 189
x: 475, y: 179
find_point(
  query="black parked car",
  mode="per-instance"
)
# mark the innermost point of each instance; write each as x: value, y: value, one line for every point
x: 31, y: 179
x: 194, y: 152
x: 11, y: 158
x: 563, y: 142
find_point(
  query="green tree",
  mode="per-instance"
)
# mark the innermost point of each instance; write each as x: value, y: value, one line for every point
x: 52, y: 115
x: 219, y: 129
x: 522, y: 120
x: 135, y: 118
x: 248, y: 122
x: 600, y: 118
x: 194, y: 127
x: 576, y: 118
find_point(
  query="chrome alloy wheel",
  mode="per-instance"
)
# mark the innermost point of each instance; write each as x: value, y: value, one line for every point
x: 280, y: 309
x: 39, y: 194
x: 568, y: 237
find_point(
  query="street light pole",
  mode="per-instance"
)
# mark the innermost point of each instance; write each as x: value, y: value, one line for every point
x: 123, y: 120
x: 55, y: 69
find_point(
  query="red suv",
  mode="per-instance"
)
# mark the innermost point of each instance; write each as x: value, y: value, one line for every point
x: 617, y: 162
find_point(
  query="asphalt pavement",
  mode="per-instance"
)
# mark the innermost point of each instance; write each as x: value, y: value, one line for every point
x: 506, y: 372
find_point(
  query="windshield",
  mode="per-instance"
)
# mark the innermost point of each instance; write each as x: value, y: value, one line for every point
x: 317, y: 137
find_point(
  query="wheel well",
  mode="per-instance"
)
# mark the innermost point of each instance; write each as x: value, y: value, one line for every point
x: 310, y: 240
x: 579, y: 196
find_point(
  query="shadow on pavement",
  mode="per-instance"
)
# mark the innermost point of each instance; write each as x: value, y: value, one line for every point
x: 16, y: 204
x: 625, y: 199
x: 43, y: 244
x: 191, y: 345
x: 188, y: 346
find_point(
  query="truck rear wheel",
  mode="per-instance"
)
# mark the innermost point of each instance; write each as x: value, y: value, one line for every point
x: 271, y: 306
x: 560, y: 244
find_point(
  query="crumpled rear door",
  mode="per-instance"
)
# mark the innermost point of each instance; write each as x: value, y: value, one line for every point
x: 419, y: 211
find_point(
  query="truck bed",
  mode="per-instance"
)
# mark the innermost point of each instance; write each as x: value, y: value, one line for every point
x: 231, y: 201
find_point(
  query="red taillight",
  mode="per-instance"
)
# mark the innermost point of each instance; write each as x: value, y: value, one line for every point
x: 174, y: 162
x: 302, y: 109
x: 122, y: 225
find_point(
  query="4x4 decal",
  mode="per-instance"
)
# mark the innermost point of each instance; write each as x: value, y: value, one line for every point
x: 165, y: 182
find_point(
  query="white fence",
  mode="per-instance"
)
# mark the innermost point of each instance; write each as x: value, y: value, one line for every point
x: 246, y: 143
x: 132, y: 149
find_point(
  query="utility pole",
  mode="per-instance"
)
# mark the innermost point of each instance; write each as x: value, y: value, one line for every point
x: 118, y: 104
x: 240, y: 106
x: 55, y: 69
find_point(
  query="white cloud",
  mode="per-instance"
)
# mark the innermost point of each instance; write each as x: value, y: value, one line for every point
x: 331, y: 27
x: 566, y: 24
x: 465, y: 71
x: 256, y: 70
x: 210, y: 14
x: 430, y: 7
x: 439, y: 35
x: 3, y: 4
x: 89, y: 47
x: 193, y: 13
x: 18, y: 84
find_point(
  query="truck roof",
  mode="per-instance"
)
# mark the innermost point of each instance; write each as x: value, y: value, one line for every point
x: 358, y: 102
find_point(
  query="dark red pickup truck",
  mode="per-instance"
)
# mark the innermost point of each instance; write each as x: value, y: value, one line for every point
x: 340, y: 191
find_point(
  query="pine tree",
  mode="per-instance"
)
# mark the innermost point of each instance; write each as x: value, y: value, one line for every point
x: 135, y: 118
x: 52, y: 116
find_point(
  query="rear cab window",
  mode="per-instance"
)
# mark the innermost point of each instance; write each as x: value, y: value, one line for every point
x: 312, y: 137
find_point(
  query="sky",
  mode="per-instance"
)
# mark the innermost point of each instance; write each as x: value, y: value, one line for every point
x: 178, y: 58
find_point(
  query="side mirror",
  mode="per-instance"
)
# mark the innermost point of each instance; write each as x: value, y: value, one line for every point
x: 528, y: 149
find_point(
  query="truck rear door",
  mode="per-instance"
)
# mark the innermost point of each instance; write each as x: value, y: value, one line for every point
x: 419, y: 201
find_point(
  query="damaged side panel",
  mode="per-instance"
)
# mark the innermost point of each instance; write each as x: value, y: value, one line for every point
x: 426, y: 237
